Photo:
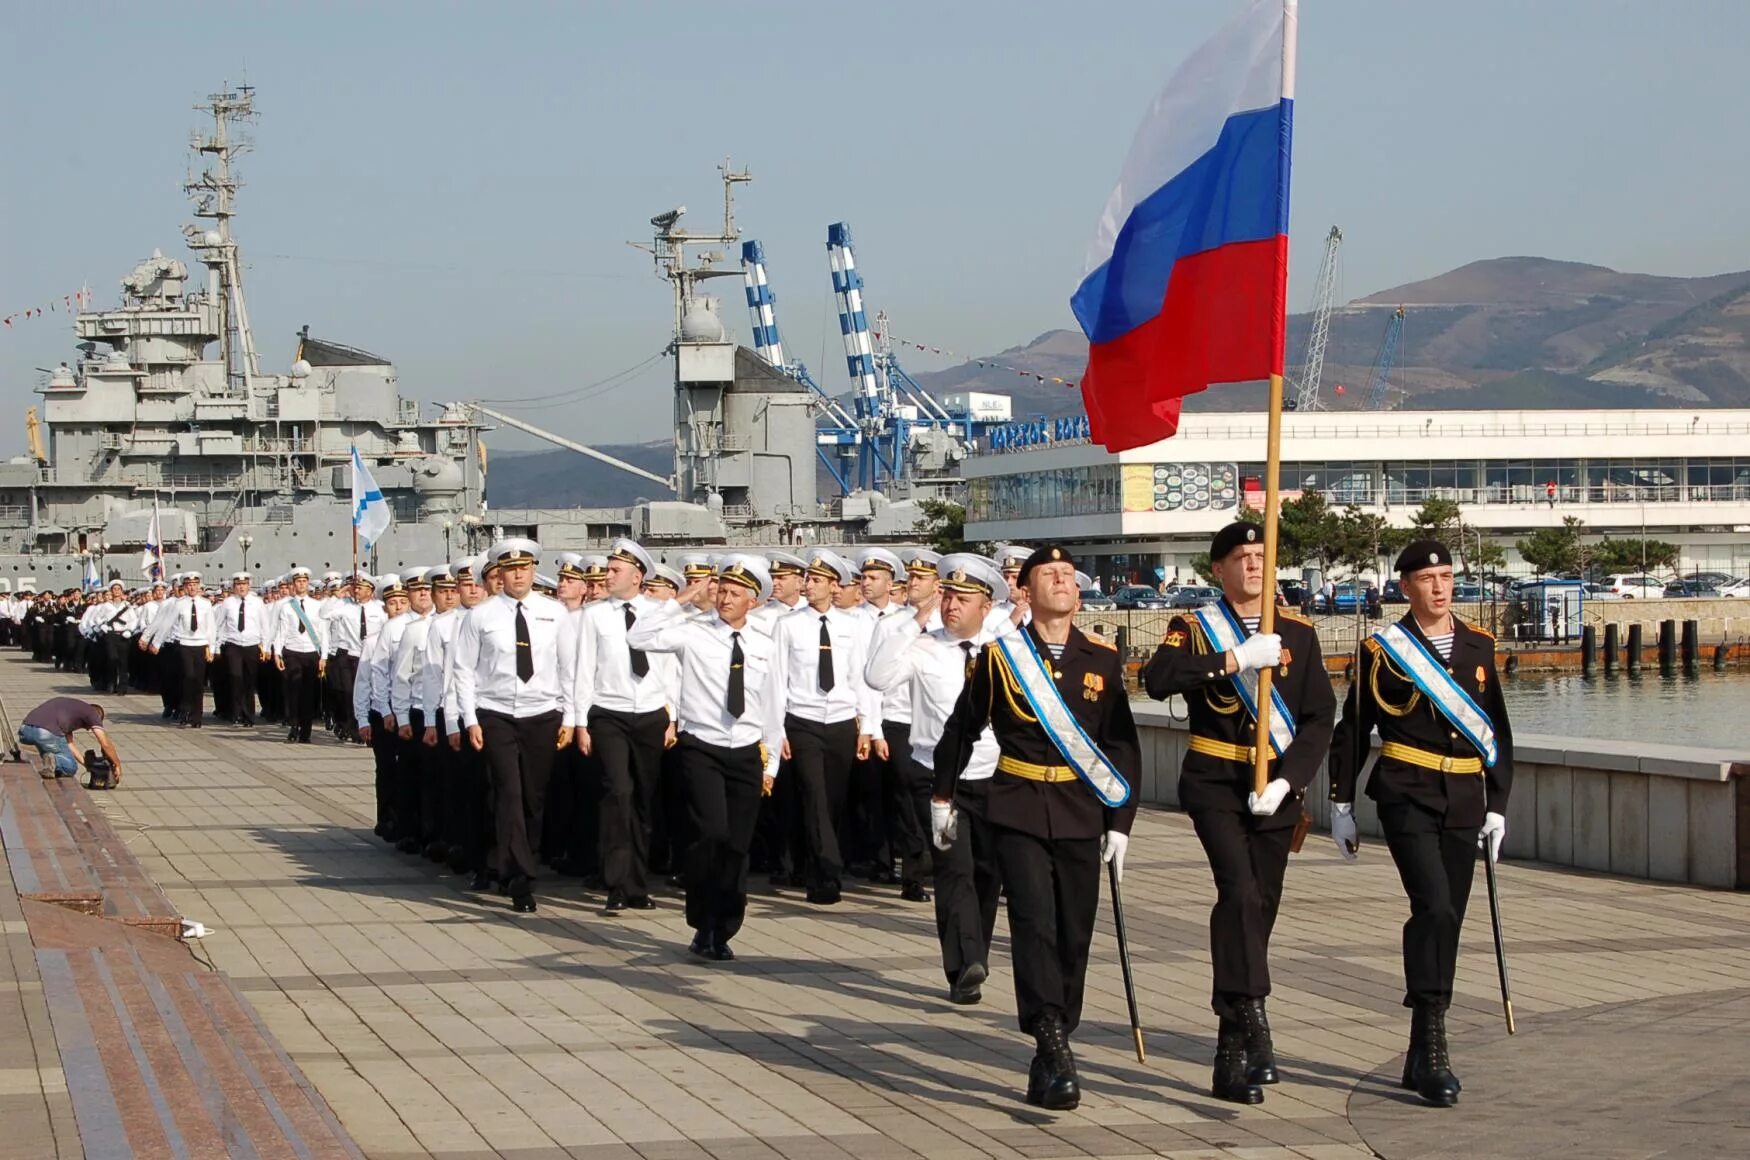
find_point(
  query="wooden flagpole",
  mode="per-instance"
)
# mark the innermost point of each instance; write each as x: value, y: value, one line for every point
x: 1273, y: 457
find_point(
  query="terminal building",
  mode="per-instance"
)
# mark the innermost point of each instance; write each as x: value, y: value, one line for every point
x: 1141, y: 515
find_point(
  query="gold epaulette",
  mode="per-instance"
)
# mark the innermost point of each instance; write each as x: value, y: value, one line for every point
x: 1474, y: 628
x: 1372, y: 645
x: 1096, y: 638
x: 1284, y: 614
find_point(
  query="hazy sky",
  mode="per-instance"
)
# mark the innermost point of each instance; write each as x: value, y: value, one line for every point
x: 452, y: 185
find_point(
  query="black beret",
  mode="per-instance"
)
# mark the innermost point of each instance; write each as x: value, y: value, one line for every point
x: 1422, y: 554
x: 1232, y: 536
x: 1050, y: 554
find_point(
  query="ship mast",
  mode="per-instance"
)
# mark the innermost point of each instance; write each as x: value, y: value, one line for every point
x: 214, y: 195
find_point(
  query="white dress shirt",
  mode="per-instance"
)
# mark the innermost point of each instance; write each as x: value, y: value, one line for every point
x: 932, y: 666
x: 254, y: 620
x: 485, y: 660
x: 895, y: 701
x: 379, y: 658
x: 452, y: 709
x: 342, y: 624
x: 292, y: 633
x: 433, y: 691
x: 765, y: 618
x: 604, y: 664
x: 406, y: 691
x: 703, y: 648
x: 796, y: 660
x: 114, y: 618
x: 173, y: 628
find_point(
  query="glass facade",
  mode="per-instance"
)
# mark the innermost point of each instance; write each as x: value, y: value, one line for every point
x: 1101, y: 489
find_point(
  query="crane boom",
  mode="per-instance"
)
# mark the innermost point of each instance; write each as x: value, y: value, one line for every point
x: 1306, y: 395
x: 569, y: 444
x: 1382, y: 363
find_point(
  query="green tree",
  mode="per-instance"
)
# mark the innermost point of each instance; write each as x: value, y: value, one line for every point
x: 1554, y: 550
x: 1489, y: 557
x: 1628, y: 555
x: 1436, y: 519
x: 1361, y: 538
x: 944, y: 523
x: 1307, y: 529
x: 1245, y: 515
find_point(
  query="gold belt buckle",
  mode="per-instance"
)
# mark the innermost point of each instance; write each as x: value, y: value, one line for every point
x: 1251, y: 755
x: 1446, y: 764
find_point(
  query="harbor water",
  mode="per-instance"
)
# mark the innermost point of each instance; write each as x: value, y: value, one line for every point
x: 1707, y: 708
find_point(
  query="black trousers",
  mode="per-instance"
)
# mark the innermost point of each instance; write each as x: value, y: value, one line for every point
x: 1248, y: 865
x: 303, y: 686
x: 168, y: 665
x: 1054, y: 892
x: 343, y: 670
x: 908, y: 805
x: 192, y: 666
x: 121, y: 653
x: 97, y: 663
x: 821, y: 759
x: 242, y: 664
x: 271, y: 691
x: 385, y: 749
x: 1436, y: 864
x: 723, y: 802
x: 420, y: 787
x: 629, y: 747
x: 219, y: 680
x: 519, y: 753
x: 968, y: 882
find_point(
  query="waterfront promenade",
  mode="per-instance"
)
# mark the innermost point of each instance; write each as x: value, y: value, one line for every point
x: 433, y: 1022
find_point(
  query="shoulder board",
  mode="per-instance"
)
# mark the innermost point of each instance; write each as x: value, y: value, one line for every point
x: 1372, y: 645
x: 1284, y: 614
x: 1096, y: 638
x: 1479, y: 631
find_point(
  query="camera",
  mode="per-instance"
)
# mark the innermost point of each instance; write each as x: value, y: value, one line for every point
x: 100, y: 770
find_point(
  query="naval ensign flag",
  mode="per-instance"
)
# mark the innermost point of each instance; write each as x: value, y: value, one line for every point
x: 370, y: 511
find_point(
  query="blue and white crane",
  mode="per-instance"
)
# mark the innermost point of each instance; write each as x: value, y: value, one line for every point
x: 1382, y: 363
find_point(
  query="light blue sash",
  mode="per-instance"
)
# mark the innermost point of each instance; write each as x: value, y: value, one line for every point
x: 1226, y: 633
x: 1060, y: 724
x: 1431, y: 677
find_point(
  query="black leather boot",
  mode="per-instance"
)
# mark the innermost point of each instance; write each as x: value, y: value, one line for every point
x: 1230, y: 1082
x: 1427, y: 1067
x: 1063, y: 1088
x: 1260, y: 1051
x: 1037, y: 1074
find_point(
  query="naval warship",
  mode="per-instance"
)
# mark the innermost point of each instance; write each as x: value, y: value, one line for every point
x: 166, y: 420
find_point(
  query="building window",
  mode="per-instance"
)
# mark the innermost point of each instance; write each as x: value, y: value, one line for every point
x: 1064, y: 491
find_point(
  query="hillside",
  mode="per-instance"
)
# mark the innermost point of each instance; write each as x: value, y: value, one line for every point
x: 1525, y: 332
x: 551, y: 479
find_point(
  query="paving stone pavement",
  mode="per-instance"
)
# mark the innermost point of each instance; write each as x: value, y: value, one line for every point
x: 437, y: 1023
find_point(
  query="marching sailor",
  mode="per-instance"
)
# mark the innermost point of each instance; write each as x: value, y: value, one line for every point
x: 189, y: 626
x: 1054, y: 813
x: 370, y: 701
x: 624, y: 700
x: 416, y: 781
x: 1428, y: 685
x: 1211, y: 657
x: 297, y: 648
x: 725, y: 717
x: 515, y: 670
x: 352, y: 624
x: 475, y: 830
x: 929, y: 654
x: 241, y: 646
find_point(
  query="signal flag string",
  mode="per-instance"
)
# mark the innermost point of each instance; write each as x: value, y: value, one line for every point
x: 987, y: 363
x: 66, y: 304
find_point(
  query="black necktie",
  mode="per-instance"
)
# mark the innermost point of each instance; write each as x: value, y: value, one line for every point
x: 736, y: 702
x: 361, y: 624
x: 239, y: 615
x: 825, y: 677
x: 966, y: 647
x: 301, y: 629
x: 640, y: 662
x: 194, y: 621
x: 525, y: 655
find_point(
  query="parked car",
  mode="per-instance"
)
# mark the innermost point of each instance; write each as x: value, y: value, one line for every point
x: 1467, y: 592
x: 1190, y: 596
x: 1739, y: 588
x: 1689, y: 590
x: 1093, y: 600
x: 1293, y: 593
x: 1711, y: 579
x: 1393, y: 594
x: 1600, y: 592
x: 1138, y: 596
x: 1632, y: 585
x: 1348, y: 596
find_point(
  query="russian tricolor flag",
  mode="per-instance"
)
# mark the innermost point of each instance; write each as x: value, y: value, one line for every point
x: 1188, y: 274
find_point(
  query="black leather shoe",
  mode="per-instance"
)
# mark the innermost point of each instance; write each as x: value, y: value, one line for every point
x: 824, y: 895
x: 523, y: 904
x: 1063, y: 1088
x: 291, y: 737
x: 1229, y: 1081
x: 644, y: 903
x: 968, y: 989
x: 721, y: 953
x: 1037, y: 1075
x: 914, y: 892
x: 481, y: 881
x: 1260, y: 1051
x: 616, y: 903
x: 408, y: 845
x: 701, y: 946
x: 677, y: 882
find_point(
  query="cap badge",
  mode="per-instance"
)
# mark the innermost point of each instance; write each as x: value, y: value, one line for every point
x: 1251, y: 535
x: 1434, y: 557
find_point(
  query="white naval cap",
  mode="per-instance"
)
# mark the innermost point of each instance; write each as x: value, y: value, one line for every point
x: 570, y: 565
x: 545, y: 583
x: 361, y: 577
x: 879, y: 558
x: 921, y: 560
x: 595, y: 566
x: 747, y: 570
x: 696, y: 565
x: 663, y: 574
x: 297, y: 572
x: 966, y: 572
x: 632, y: 552
x: 1084, y: 581
x: 416, y: 578
x: 513, y: 551
x: 1010, y: 557
x: 786, y: 563
x: 389, y: 584
x: 828, y: 563
x: 241, y: 576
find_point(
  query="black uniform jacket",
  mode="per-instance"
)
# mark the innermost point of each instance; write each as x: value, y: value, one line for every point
x: 1187, y: 662
x: 1090, y: 676
x: 1382, y: 696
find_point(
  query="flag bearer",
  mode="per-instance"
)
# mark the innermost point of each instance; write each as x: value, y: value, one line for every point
x: 1428, y: 685
x: 1054, y: 813
x: 1212, y: 657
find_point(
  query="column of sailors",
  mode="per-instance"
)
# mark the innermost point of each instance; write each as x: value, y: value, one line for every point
x: 815, y: 717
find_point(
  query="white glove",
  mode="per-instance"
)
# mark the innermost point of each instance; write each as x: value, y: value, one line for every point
x: 1259, y: 652
x: 1264, y: 804
x: 944, y: 826
x: 1112, y: 847
x: 1343, y: 831
x: 1493, y: 833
